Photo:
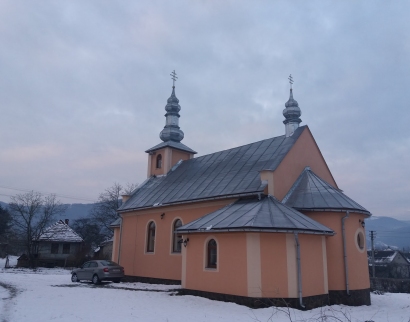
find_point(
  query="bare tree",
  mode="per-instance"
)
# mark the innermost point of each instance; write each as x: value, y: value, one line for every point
x: 31, y: 213
x: 5, y: 225
x: 89, y: 230
x: 104, y: 212
x: 5, y: 222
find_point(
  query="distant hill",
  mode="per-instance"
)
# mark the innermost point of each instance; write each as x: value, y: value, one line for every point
x: 73, y: 212
x: 389, y: 232
x: 77, y: 210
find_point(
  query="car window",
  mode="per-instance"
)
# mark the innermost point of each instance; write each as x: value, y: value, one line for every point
x: 86, y: 264
x: 108, y: 263
x: 93, y: 264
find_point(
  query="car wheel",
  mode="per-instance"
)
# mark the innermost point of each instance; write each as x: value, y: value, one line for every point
x: 96, y: 279
x: 117, y: 281
x: 74, y: 278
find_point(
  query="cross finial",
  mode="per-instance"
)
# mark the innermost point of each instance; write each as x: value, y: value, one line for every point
x: 290, y: 80
x: 173, y: 77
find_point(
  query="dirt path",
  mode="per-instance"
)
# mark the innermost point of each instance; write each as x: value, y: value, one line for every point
x: 6, y: 301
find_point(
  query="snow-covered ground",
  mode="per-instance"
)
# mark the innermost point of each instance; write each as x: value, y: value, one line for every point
x: 49, y: 295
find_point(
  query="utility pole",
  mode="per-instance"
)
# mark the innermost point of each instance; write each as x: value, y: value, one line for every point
x: 372, y: 235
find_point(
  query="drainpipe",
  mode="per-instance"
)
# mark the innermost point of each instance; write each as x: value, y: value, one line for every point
x: 119, y: 246
x: 299, y: 271
x: 345, y: 253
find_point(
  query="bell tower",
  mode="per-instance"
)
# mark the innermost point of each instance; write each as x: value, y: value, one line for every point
x: 162, y: 157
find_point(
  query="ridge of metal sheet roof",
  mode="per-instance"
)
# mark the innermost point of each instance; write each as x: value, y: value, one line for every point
x: 223, y: 174
x: 312, y: 193
x: 265, y: 214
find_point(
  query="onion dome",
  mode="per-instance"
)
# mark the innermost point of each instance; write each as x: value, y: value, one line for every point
x: 292, y: 111
x: 171, y: 131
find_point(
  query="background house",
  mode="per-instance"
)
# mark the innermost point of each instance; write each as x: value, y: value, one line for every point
x: 104, y: 250
x: 59, y: 245
x: 389, y: 264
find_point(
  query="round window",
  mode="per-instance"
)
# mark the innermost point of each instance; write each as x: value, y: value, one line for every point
x: 360, y: 240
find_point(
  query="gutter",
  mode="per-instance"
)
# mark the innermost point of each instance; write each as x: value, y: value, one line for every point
x: 119, y: 246
x: 299, y: 271
x: 255, y: 230
x: 193, y: 200
x: 345, y: 253
x: 367, y: 213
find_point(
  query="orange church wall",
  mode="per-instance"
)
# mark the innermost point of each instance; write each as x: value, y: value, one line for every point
x: 179, y: 155
x: 230, y: 276
x: 313, y: 270
x: 304, y: 152
x: 256, y: 265
x: 274, y: 270
x: 152, y: 162
x: 162, y: 263
x: 279, y: 265
x: 169, y: 158
x: 357, y: 259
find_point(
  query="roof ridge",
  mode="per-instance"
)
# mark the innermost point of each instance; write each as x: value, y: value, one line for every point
x: 240, y: 146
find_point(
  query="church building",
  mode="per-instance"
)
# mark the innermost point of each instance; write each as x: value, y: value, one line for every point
x: 259, y: 224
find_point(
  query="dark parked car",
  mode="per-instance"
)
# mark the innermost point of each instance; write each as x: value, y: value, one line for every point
x: 97, y: 271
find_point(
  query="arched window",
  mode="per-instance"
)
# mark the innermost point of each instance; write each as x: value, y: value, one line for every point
x: 159, y: 161
x: 176, y: 245
x: 212, y: 254
x: 151, y: 237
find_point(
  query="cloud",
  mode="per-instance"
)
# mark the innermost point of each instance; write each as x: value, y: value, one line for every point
x: 83, y: 87
x: 30, y: 153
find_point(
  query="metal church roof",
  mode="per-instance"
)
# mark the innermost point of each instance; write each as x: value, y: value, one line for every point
x: 223, y: 174
x: 172, y: 144
x: 267, y: 214
x: 310, y: 192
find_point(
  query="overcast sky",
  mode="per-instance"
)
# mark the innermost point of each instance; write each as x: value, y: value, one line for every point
x: 83, y: 86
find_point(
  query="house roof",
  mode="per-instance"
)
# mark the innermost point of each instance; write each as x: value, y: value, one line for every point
x: 116, y: 223
x: 384, y: 256
x: 267, y: 214
x: 60, y: 232
x: 311, y: 193
x: 172, y: 144
x: 223, y: 174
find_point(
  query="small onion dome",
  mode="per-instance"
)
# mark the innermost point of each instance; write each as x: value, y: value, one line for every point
x: 173, y: 102
x: 292, y: 111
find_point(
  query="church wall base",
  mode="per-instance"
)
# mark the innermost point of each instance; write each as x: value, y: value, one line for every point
x: 150, y: 280
x: 310, y: 302
x: 356, y: 297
